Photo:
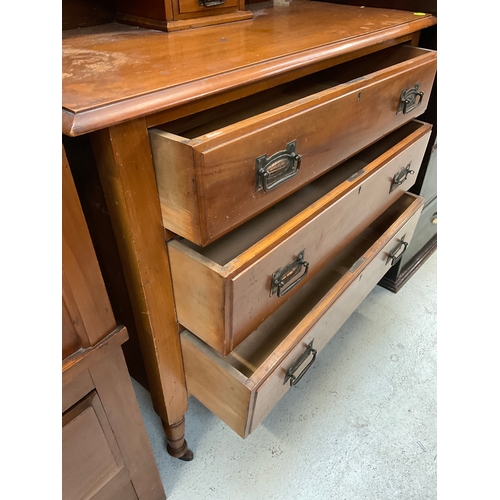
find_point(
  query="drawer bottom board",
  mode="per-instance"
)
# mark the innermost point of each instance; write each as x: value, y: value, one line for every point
x: 243, y: 387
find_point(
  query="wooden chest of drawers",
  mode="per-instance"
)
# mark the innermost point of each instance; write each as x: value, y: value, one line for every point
x: 257, y: 198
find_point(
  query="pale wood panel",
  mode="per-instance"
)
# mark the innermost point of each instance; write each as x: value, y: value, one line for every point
x: 221, y: 388
x: 200, y: 295
x: 176, y: 184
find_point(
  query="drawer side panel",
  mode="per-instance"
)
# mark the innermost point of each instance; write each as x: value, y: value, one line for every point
x: 200, y: 295
x: 176, y: 183
x: 218, y: 386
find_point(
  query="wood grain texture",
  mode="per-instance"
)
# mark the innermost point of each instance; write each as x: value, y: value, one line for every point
x: 176, y: 186
x: 257, y: 367
x: 325, y: 225
x: 200, y: 295
x: 106, y: 450
x: 88, y: 184
x: 132, y: 72
x: 273, y: 389
x: 221, y: 388
x: 354, y: 106
x: 91, y: 456
x: 87, y: 310
x: 127, y: 176
x: 116, y: 391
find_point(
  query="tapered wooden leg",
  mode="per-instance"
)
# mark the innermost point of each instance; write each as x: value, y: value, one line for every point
x: 128, y: 180
x: 176, y: 444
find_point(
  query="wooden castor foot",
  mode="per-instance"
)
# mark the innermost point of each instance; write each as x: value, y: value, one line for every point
x: 177, y: 446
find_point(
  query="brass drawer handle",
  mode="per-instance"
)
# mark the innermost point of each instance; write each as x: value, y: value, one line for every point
x: 410, y: 99
x: 284, y: 275
x: 289, y: 375
x: 211, y: 3
x: 400, y: 177
x: 278, y: 168
x: 394, y: 256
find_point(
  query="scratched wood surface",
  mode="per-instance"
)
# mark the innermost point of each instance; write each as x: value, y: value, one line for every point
x: 113, y: 72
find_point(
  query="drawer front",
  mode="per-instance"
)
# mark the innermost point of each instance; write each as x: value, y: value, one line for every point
x: 243, y: 399
x: 245, y: 167
x: 224, y: 310
x: 190, y: 6
x: 255, y: 297
x: 274, y: 388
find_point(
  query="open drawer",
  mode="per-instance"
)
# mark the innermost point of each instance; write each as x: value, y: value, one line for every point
x: 243, y: 387
x: 224, y: 291
x: 218, y: 168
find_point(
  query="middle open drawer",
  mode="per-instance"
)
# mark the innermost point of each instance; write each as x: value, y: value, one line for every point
x: 224, y: 291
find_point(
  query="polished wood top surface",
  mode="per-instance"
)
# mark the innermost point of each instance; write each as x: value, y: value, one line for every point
x: 113, y: 73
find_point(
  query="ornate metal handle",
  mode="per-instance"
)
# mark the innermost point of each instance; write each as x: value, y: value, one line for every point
x: 394, y: 256
x: 284, y: 275
x: 278, y: 168
x: 211, y: 3
x: 410, y: 99
x: 289, y: 375
x: 400, y: 177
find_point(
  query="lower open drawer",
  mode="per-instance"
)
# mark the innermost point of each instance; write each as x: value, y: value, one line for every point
x: 243, y: 387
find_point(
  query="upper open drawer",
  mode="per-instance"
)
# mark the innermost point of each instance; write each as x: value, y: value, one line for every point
x: 218, y: 168
x: 227, y: 289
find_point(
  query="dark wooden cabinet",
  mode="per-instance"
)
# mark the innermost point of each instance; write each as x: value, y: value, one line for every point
x: 105, y: 449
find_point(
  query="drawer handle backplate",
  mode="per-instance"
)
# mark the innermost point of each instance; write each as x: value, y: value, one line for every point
x: 401, y: 176
x: 397, y: 253
x: 281, y: 281
x: 211, y: 3
x: 410, y: 99
x: 278, y: 168
x: 289, y: 375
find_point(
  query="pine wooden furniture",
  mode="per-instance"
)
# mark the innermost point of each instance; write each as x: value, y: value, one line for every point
x: 105, y: 449
x: 254, y: 175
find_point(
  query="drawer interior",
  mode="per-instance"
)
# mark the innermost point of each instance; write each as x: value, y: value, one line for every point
x: 256, y: 348
x: 230, y: 246
x: 205, y: 122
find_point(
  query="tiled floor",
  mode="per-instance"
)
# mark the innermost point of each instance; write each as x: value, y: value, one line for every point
x: 360, y: 425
